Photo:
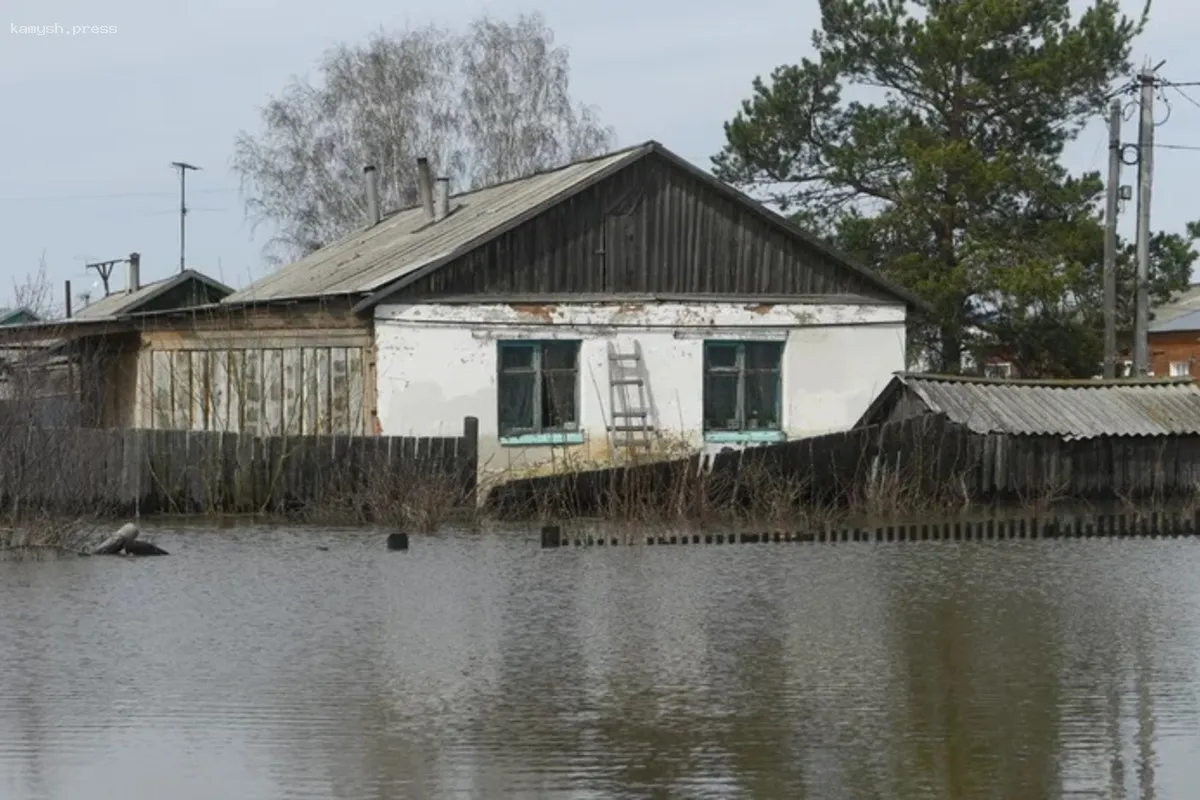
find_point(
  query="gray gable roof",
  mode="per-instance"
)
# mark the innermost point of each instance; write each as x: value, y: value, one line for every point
x: 1065, y: 409
x: 1185, y: 321
x: 371, y: 263
x: 119, y: 304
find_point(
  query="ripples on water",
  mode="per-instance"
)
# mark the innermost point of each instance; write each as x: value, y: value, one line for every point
x: 253, y: 665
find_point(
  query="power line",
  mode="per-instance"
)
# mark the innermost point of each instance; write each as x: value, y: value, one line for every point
x: 114, y: 196
x: 1182, y: 93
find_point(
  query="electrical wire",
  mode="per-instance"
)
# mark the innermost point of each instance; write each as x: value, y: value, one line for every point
x: 115, y: 196
x: 1182, y: 93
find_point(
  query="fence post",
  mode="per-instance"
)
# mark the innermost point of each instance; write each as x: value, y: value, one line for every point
x: 470, y: 461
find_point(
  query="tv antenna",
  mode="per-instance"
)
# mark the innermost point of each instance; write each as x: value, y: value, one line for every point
x: 183, y: 168
x: 104, y: 270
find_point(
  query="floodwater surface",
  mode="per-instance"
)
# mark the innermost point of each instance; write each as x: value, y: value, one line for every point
x: 254, y: 665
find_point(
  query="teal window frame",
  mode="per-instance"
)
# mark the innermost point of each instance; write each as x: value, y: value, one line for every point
x: 539, y: 434
x: 742, y: 434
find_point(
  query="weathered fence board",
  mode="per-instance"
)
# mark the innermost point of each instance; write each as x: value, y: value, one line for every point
x: 81, y: 470
x: 929, y: 456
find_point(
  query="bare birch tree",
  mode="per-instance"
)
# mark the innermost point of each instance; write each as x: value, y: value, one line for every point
x: 484, y: 106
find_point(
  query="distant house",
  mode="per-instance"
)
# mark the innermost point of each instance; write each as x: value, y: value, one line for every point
x: 86, y: 366
x: 1174, y: 336
x: 17, y: 316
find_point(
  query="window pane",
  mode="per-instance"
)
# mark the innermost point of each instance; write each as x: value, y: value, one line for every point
x: 762, y: 401
x: 560, y: 355
x: 763, y: 355
x: 516, y: 356
x: 516, y: 401
x: 558, y: 401
x: 720, y: 402
x: 720, y: 356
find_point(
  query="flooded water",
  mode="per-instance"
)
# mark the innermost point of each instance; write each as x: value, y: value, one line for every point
x: 255, y: 665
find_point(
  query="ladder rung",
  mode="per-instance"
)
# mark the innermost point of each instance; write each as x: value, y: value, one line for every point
x: 624, y: 356
x: 626, y: 381
x: 633, y: 412
x: 631, y: 428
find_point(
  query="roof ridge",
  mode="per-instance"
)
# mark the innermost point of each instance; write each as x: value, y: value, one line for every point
x: 1047, y: 383
x: 648, y: 145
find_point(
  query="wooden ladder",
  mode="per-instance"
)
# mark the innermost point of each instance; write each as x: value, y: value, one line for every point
x: 628, y: 401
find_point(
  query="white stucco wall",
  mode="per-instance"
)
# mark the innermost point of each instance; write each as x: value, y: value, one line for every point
x: 437, y: 364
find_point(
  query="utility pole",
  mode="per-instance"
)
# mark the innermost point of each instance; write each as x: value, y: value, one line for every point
x: 183, y: 171
x: 1110, y: 241
x: 1141, y: 322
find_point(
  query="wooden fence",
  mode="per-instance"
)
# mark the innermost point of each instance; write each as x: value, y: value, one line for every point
x: 74, y: 470
x: 925, y: 460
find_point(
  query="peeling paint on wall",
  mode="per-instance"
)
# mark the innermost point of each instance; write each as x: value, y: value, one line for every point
x: 266, y: 392
x: 438, y: 363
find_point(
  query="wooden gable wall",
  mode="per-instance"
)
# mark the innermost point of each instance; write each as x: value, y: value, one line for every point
x: 650, y: 228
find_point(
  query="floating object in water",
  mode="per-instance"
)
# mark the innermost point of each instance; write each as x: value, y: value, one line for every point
x: 126, y: 540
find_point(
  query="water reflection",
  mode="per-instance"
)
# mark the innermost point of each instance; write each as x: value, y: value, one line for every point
x: 251, y: 664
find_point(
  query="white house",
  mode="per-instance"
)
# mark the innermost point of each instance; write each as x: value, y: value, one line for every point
x: 720, y: 371
x: 627, y: 301
x: 634, y: 302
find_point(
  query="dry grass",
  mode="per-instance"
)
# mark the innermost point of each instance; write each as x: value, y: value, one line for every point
x: 756, y: 492
x: 413, y: 499
x: 44, y: 536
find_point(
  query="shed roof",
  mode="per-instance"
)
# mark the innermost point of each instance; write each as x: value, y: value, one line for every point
x: 121, y: 303
x: 373, y: 262
x: 1082, y: 409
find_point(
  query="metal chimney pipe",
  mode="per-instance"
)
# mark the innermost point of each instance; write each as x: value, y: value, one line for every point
x: 425, y: 185
x: 135, y: 273
x: 373, y: 213
x: 443, y: 198
x: 67, y: 306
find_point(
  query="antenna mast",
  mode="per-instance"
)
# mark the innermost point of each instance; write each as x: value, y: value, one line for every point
x: 183, y: 168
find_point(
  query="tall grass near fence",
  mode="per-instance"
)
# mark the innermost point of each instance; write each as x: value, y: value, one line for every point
x: 416, y: 482
x: 918, y: 467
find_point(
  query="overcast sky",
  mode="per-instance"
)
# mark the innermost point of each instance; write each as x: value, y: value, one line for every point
x: 91, y: 122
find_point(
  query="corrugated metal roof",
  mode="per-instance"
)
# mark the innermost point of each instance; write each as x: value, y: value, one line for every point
x: 405, y: 241
x: 1067, y: 409
x: 120, y: 303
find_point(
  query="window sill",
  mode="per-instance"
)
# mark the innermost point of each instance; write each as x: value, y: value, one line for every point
x: 542, y: 439
x: 744, y: 437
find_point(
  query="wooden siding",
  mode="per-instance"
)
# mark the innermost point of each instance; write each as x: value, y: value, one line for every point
x: 302, y: 369
x: 649, y: 228
x: 261, y: 391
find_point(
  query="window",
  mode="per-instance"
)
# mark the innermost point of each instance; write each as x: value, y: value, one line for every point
x: 742, y: 390
x: 538, y: 392
x: 998, y: 369
x: 1181, y: 369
